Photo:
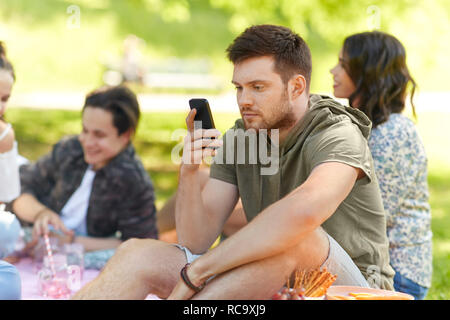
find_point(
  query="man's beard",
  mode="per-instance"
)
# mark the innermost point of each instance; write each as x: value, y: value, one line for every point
x: 281, y: 118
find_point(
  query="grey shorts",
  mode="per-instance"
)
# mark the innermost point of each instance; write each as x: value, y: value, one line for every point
x: 190, y: 257
x: 338, y: 262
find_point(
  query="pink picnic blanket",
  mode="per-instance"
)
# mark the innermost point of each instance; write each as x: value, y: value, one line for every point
x: 29, y: 276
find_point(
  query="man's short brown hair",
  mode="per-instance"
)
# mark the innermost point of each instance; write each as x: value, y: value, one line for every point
x: 290, y: 52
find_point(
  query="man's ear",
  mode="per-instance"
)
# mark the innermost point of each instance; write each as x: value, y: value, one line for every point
x: 128, y: 135
x: 297, y: 86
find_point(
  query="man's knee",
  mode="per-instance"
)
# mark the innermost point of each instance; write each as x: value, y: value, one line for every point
x: 146, y: 254
x: 318, y: 238
x: 135, y: 246
x: 312, y: 251
x: 153, y: 262
x: 134, y: 255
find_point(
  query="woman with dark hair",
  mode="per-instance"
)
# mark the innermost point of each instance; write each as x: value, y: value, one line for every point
x: 372, y: 74
x: 92, y: 187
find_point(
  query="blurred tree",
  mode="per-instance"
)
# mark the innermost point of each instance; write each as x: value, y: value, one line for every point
x: 204, y: 28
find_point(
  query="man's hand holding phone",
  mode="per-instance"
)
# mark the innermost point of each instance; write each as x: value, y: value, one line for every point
x: 199, y: 143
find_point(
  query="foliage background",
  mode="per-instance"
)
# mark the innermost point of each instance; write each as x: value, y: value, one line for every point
x: 40, y: 38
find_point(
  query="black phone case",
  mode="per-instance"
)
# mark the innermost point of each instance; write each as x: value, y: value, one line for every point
x: 203, y: 112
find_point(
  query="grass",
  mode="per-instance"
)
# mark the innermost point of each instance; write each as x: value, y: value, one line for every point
x: 155, y: 141
x: 440, y: 225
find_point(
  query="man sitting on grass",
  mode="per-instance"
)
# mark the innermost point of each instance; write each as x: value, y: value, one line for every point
x: 320, y: 207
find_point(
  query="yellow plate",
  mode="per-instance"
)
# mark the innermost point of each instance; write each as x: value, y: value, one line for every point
x: 360, y: 293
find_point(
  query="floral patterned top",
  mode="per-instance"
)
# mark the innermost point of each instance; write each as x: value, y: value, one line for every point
x: 401, y: 166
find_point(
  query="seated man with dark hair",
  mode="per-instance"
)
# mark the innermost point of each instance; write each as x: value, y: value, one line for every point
x: 93, y: 187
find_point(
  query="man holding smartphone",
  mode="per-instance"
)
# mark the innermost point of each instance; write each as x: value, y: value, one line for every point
x: 322, y: 208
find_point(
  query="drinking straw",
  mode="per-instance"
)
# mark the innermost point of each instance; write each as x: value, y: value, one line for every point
x: 50, y: 254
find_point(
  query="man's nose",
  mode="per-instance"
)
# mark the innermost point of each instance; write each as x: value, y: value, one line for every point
x: 245, y: 98
x: 87, y: 140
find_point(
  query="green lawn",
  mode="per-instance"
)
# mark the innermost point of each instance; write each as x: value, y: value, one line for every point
x: 37, y: 130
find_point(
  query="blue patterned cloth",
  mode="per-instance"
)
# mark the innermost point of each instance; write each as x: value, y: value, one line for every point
x: 401, y: 166
x: 97, y: 259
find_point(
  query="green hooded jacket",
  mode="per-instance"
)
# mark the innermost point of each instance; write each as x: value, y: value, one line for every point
x: 328, y: 132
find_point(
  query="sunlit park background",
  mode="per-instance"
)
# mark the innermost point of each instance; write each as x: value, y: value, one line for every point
x: 63, y: 49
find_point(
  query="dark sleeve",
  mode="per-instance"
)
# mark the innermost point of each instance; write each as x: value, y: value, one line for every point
x: 39, y: 178
x: 137, y: 215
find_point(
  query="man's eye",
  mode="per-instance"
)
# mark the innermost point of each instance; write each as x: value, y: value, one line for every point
x: 258, y: 88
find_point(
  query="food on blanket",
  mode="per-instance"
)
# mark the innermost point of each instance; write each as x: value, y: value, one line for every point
x: 289, y: 294
x: 362, y: 293
x: 371, y: 296
x: 336, y: 297
x: 307, y: 284
x: 314, y: 283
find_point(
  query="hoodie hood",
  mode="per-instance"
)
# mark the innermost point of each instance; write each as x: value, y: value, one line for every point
x: 324, y: 112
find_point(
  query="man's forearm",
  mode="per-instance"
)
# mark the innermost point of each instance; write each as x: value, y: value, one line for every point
x: 193, y: 223
x: 277, y: 228
x: 27, y: 207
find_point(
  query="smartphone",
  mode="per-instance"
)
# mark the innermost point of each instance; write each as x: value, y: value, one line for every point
x: 203, y: 112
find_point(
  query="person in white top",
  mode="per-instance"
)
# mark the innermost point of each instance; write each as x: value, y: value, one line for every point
x: 9, y: 171
x: 10, y: 283
x: 92, y: 188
